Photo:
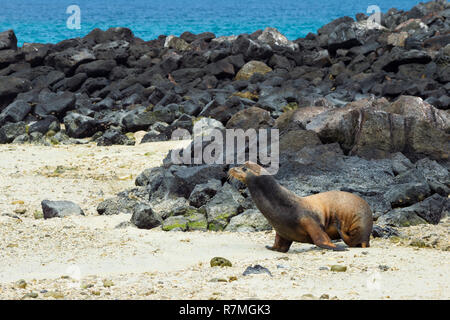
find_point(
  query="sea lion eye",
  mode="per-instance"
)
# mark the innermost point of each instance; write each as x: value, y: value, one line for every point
x: 244, y: 169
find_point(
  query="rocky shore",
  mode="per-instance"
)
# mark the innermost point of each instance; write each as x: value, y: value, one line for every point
x: 360, y: 107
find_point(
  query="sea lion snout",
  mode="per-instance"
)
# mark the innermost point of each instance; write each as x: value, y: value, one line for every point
x: 240, y: 173
x: 237, y: 173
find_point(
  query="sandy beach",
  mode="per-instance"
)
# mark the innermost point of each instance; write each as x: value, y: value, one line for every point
x: 90, y: 257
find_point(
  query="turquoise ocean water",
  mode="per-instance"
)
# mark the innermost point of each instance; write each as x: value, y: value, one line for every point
x: 44, y: 21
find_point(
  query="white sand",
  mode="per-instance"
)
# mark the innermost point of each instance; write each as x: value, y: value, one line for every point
x: 153, y: 264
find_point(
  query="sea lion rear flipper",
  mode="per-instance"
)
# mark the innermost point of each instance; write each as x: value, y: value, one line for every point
x: 281, y: 244
x: 320, y: 237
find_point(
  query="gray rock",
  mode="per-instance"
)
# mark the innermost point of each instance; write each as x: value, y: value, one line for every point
x: 272, y: 37
x: 400, y: 163
x: 170, y: 207
x: 431, y: 210
x: 98, y: 68
x: 256, y: 269
x: 69, y: 59
x: 343, y: 36
x: 249, y: 221
x: 45, y: 125
x: 15, y: 112
x: 384, y: 231
x: 35, y: 53
x: 8, y: 40
x: 175, y: 223
x: 227, y: 203
x: 405, y: 194
x: 154, y: 136
x: 10, y: 87
x: 80, y: 126
x: 59, y: 209
x: 147, y: 175
x: 10, y: 131
x: 144, y: 218
x: 136, y: 120
x: 437, y: 176
x: 56, y: 105
x: 204, y: 126
x: 116, y: 205
x: 114, y: 137
x: 202, y: 193
x: 179, y: 181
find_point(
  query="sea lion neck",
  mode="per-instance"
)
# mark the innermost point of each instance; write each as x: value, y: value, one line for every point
x: 265, y: 184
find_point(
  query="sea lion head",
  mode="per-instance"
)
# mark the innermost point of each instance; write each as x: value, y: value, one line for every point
x: 248, y: 169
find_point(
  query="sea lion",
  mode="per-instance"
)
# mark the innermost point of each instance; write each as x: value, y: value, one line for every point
x: 317, y: 219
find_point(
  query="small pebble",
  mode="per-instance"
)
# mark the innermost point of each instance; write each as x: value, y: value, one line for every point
x: 107, y: 283
x: 22, y: 284
x: 256, y: 269
x: 383, y: 267
x: 32, y: 295
x: 220, y: 262
x: 338, y: 268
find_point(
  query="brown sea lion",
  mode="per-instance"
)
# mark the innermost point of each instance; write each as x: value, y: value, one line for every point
x: 317, y: 219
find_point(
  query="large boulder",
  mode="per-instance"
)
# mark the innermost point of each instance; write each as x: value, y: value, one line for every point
x: 251, y: 220
x: 273, y: 37
x: 294, y: 140
x: 80, y: 126
x: 253, y: 117
x: 114, y: 137
x: 144, y: 218
x: 10, y: 87
x: 180, y: 181
x: 415, y: 107
x: 114, y: 50
x: 45, y: 125
x: 12, y: 130
x: 391, y: 61
x: 227, y: 203
x: 69, y: 59
x: 406, y: 194
x: 251, y: 49
x: 136, y: 120
x: 336, y: 125
x: 98, y: 68
x: 8, y: 40
x: 15, y: 112
x: 56, y: 104
x: 437, y: 176
x: 8, y: 57
x: 343, y: 36
x: 251, y: 68
x: 431, y: 210
x: 205, y: 126
x: 176, y: 43
x: 380, y: 134
x: 35, y: 53
x: 202, y: 193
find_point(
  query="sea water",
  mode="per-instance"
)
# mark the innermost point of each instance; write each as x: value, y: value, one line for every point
x: 46, y: 21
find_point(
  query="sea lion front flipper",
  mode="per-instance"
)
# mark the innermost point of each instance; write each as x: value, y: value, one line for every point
x: 281, y: 244
x: 319, y: 237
